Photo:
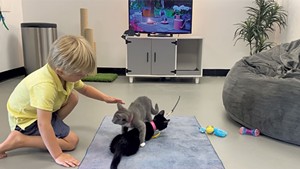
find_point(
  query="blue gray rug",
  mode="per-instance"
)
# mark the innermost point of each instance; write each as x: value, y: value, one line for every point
x: 179, y: 146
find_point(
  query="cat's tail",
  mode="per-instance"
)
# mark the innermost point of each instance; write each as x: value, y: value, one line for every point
x: 155, y: 111
x: 116, y: 147
x: 117, y: 158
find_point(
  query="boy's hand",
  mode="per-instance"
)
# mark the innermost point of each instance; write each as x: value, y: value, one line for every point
x: 67, y: 160
x: 110, y: 99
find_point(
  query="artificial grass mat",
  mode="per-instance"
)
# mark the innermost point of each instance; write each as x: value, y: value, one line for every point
x: 101, y: 77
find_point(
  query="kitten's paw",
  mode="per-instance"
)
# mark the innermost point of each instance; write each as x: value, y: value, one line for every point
x: 142, y: 144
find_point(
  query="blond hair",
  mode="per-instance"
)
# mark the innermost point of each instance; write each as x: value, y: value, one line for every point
x: 72, y: 54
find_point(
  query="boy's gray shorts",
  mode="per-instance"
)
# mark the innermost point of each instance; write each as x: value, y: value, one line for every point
x: 61, y: 129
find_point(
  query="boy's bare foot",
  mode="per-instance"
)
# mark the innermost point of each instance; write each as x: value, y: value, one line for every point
x: 11, y: 142
x: 3, y: 155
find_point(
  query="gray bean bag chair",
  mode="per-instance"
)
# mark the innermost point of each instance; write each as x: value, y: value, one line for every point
x: 262, y: 91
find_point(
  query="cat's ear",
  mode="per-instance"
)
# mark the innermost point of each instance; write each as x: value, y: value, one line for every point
x: 120, y: 107
x: 162, y: 112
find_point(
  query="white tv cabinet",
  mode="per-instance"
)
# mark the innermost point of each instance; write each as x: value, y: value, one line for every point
x: 164, y: 57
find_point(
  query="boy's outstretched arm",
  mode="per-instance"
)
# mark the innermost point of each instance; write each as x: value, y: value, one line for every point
x: 94, y: 93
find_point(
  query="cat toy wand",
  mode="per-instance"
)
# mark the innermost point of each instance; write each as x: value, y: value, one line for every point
x: 2, y: 18
x: 168, y: 114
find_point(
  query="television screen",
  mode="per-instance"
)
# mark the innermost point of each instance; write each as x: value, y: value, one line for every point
x: 160, y: 16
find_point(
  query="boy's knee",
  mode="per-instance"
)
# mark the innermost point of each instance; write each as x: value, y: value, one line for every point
x: 73, y: 144
x: 73, y: 98
x: 73, y: 140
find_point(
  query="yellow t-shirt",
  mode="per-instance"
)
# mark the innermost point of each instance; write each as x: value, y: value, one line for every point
x: 41, y: 89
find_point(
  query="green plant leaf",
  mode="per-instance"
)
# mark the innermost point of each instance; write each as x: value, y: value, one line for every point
x: 260, y: 22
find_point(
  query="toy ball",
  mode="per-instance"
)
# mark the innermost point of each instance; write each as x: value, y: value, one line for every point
x: 210, y: 129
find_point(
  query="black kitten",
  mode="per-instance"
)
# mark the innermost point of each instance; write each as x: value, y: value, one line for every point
x: 129, y: 143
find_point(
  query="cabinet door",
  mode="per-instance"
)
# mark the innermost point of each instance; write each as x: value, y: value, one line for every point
x: 139, y: 57
x: 163, y: 56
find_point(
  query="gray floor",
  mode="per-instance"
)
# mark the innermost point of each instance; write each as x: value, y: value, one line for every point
x: 201, y: 100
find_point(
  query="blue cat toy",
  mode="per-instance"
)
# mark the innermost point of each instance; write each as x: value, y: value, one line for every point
x: 212, y: 130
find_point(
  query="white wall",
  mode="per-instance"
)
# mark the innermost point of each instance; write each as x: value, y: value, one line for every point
x: 212, y: 19
x: 108, y: 18
x: 293, y: 30
x: 10, y: 41
x: 215, y: 21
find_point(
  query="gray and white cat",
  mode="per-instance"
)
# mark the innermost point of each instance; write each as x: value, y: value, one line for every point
x: 138, y: 112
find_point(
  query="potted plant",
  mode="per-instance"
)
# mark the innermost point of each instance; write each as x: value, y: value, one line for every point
x: 260, y: 23
x: 3, y: 21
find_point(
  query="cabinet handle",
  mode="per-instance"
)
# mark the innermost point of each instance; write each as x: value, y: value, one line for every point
x: 154, y: 56
x: 147, y: 56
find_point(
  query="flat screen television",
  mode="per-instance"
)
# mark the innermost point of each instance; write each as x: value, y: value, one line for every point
x: 162, y: 17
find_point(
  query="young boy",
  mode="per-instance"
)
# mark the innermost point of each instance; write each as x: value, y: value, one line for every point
x: 43, y: 99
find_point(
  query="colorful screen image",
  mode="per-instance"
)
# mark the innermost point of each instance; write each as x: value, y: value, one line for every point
x: 161, y: 16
